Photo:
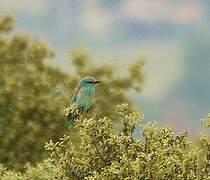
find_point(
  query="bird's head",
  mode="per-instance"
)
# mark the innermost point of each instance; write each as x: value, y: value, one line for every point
x: 88, y: 81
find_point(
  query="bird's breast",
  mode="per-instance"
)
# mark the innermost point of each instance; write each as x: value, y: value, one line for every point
x: 85, y: 98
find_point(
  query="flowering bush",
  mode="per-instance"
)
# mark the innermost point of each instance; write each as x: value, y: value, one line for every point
x: 105, y: 153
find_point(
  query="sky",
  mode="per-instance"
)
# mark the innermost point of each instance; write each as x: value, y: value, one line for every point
x: 172, y: 36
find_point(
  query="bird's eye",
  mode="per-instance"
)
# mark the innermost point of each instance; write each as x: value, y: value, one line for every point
x: 91, y: 82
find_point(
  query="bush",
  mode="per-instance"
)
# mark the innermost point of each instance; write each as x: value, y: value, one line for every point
x: 41, y: 171
x: 105, y: 153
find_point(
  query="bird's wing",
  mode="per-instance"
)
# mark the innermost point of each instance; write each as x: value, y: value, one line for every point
x: 74, y: 94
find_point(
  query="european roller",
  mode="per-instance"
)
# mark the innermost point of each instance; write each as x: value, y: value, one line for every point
x: 82, y: 98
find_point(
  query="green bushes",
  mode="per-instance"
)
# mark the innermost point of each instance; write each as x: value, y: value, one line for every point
x: 41, y: 171
x: 106, y: 154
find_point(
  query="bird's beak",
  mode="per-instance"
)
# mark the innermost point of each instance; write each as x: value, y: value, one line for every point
x: 96, y: 82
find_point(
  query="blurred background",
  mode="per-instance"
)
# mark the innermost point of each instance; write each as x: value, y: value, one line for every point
x: 154, y: 54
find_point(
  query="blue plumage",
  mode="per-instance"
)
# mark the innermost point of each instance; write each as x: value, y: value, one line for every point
x: 82, y: 98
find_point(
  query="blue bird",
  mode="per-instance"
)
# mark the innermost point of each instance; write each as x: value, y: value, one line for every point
x: 82, y: 98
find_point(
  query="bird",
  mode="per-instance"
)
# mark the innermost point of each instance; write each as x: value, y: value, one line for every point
x: 82, y: 98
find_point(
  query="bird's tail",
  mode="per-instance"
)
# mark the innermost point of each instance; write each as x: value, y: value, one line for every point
x: 70, y: 120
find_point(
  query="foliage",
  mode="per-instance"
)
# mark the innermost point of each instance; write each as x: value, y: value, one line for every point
x: 206, y: 122
x: 33, y: 94
x: 29, y: 110
x: 41, y: 171
x: 105, y: 153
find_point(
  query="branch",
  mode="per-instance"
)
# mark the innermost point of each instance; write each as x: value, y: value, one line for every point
x: 98, y: 152
x: 207, y: 166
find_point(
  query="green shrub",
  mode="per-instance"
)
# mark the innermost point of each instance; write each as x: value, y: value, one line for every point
x: 105, y: 153
x: 41, y: 171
